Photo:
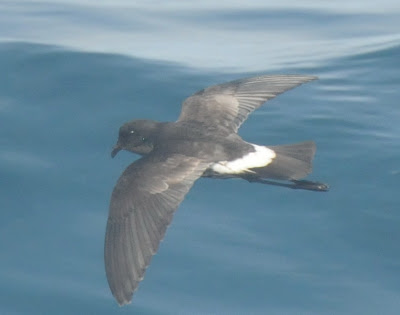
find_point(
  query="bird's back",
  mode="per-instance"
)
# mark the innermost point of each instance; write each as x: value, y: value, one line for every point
x: 195, y: 139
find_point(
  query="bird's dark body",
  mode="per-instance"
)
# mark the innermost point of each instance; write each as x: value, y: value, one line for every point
x: 203, y: 142
x: 177, y: 137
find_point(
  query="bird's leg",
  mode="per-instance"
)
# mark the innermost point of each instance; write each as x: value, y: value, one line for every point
x: 297, y: 184
x: 310, y: 185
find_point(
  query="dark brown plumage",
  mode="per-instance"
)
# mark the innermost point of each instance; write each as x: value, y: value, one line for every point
x: 203, y: 142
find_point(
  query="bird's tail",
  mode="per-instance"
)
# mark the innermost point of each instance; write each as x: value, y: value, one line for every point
x: 292, y: 161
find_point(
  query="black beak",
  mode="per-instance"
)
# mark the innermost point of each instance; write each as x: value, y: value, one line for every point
x: 115, y: 150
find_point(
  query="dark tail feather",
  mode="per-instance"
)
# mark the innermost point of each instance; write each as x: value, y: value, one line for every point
x: 292, y: 161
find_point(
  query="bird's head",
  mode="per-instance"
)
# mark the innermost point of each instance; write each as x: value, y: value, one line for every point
x: 136, y: 136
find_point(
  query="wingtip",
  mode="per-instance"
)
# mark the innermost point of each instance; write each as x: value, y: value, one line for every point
x: 304, y: 77
x: 307, y: 77
x: 125, y: 298
x: 122, y: 301
x: 301, y: 78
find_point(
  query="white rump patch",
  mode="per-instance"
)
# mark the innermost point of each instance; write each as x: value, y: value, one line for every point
x: 261, y: 157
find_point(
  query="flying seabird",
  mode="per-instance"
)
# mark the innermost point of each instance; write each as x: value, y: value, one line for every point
x: 203, y: 142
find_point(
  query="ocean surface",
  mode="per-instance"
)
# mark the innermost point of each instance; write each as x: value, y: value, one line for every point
x: 71, y: 72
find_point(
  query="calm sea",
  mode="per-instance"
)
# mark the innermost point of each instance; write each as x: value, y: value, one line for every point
x: 72, y: 72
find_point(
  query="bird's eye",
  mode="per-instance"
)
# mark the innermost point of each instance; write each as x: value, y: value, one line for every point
x: 132, y: 131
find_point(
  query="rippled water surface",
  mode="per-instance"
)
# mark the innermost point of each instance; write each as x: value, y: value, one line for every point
x: 73, y: 72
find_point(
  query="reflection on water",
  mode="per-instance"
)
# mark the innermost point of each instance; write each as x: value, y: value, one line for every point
x: 208, y: 35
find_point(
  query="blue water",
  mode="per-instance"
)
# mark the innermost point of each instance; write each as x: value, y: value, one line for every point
x: 70, y: 75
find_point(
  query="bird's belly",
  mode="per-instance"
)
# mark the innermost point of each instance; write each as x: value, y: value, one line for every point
x: 260, y: 157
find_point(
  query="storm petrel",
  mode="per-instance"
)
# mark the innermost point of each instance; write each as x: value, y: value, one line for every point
x: 203, y: 142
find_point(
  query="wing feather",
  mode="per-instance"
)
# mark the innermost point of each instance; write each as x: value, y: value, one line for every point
x: 228, y: 105
x: 142, y: 206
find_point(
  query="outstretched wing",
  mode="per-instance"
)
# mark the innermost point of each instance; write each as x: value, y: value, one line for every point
x: 226, y: 106
x: 142, y: 205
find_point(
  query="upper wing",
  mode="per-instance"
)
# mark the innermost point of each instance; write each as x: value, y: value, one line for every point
x: 226, y: 106
x: 142, y: 205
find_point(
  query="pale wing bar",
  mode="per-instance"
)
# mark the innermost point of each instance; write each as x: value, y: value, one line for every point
x: 228, y: 105
x: 142, y: 206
